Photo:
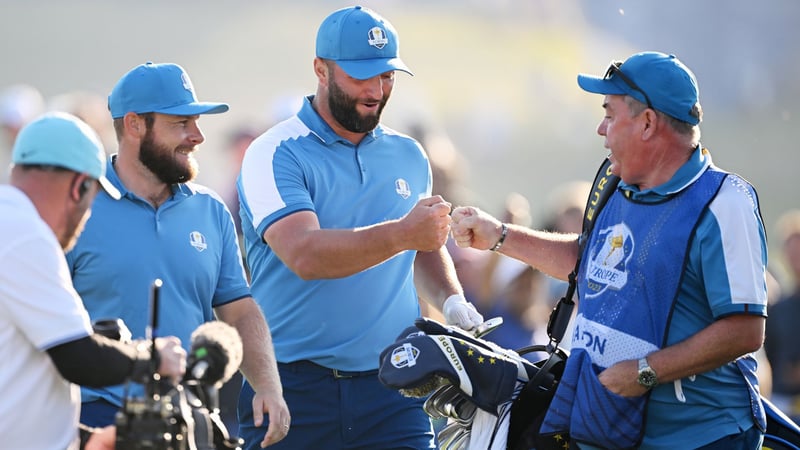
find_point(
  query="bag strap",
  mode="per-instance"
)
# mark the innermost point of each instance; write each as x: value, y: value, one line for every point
x: 604, y: 185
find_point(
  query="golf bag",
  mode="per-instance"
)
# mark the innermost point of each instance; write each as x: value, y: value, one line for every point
x: 782, y: 433
x: 495, y: 398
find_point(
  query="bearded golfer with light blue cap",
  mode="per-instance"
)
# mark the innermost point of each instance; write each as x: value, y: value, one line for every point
x: 167, y: 227
x: 339, y: 223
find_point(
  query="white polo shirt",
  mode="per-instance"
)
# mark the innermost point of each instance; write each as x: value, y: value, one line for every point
x: 39, y: 309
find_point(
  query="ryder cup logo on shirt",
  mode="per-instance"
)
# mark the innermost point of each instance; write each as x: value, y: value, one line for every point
x: 377, y: 38
x: 197, y: 240
x: 402, y: 188
x: 608, y: 259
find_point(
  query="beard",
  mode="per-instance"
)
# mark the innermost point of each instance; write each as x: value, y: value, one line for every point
x: 163, y: 163
x: 76, y: 223
x: 343, y: 109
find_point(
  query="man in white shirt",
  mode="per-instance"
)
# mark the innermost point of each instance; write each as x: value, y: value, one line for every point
x: 46, y: 339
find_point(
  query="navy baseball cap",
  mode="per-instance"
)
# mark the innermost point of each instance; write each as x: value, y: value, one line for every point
x: 159, y: 88
x: 63, y: 140
x: 361, y: 42
x: 661, y: 81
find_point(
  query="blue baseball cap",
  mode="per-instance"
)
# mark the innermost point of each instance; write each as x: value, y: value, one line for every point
x: 159, y: 88
x: 63, y: 140
x: 662, y: 81
x: 361, y: 42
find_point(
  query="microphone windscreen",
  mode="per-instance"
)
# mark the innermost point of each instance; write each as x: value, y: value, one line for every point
x: 219, y: 335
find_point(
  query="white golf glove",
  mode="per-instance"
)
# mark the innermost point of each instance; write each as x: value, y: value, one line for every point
x: 461, y: 313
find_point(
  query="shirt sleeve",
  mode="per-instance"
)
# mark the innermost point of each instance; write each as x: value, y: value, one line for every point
x: 232, y: 283
x: 733, y: 251
x: 272, y: 184
x: 41, y: 299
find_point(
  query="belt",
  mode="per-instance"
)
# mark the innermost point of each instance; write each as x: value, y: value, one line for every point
x: 312, y: 367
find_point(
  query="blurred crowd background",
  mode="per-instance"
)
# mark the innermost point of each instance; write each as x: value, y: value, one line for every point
x: 495, y: 79
x: 494, y: 98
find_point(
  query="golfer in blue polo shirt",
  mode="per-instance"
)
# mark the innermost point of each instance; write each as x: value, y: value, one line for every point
x: 339, y: 223
x: 166, y: 227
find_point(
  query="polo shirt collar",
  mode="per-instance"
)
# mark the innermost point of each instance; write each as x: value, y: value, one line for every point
x: 690, y: 171
x: 178, y: 190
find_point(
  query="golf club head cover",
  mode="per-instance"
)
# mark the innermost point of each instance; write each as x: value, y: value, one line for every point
x: 433, y: 327
x: 487, y: 377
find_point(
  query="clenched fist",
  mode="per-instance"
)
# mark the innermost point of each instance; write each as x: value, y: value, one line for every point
x: 475, y: 228
x: 427, y: 225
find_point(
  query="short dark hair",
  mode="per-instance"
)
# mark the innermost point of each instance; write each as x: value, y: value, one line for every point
x: 149, y: 120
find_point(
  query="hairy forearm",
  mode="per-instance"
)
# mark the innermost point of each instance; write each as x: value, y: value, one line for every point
x: 552, y: 253
x: 314, y: 252
x: 338, y: 253
x: 258, y: 362
x: 716, y: 345
x: 435, y: 277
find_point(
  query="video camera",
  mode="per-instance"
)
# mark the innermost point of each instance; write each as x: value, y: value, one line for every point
x: 183, y: 416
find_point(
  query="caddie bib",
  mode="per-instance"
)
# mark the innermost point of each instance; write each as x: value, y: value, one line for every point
x: 627, y: 285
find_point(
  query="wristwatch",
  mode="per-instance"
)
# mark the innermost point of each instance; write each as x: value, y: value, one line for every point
x: 647, y: 376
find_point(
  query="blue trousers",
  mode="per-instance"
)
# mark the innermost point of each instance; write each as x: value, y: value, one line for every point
x: 746, y: 440
x: 339, y: 411
x: 98, y: 413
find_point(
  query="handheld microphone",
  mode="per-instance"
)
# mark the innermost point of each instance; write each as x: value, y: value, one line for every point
x: 215, y: 355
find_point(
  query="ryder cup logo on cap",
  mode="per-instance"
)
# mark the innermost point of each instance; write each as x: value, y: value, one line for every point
x: 377, y: 38
x: 63, y: 140
x: 361, y: 42
x: 658, y: 77
x: 159, y: 88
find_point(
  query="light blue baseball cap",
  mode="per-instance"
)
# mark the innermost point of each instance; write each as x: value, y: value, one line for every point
x: 361, y: 42
x: 63, y: 140
x: 660, y: 80
x: 160, y: 88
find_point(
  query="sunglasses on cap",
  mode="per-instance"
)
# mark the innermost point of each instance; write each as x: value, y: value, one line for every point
x: 614, y: 69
